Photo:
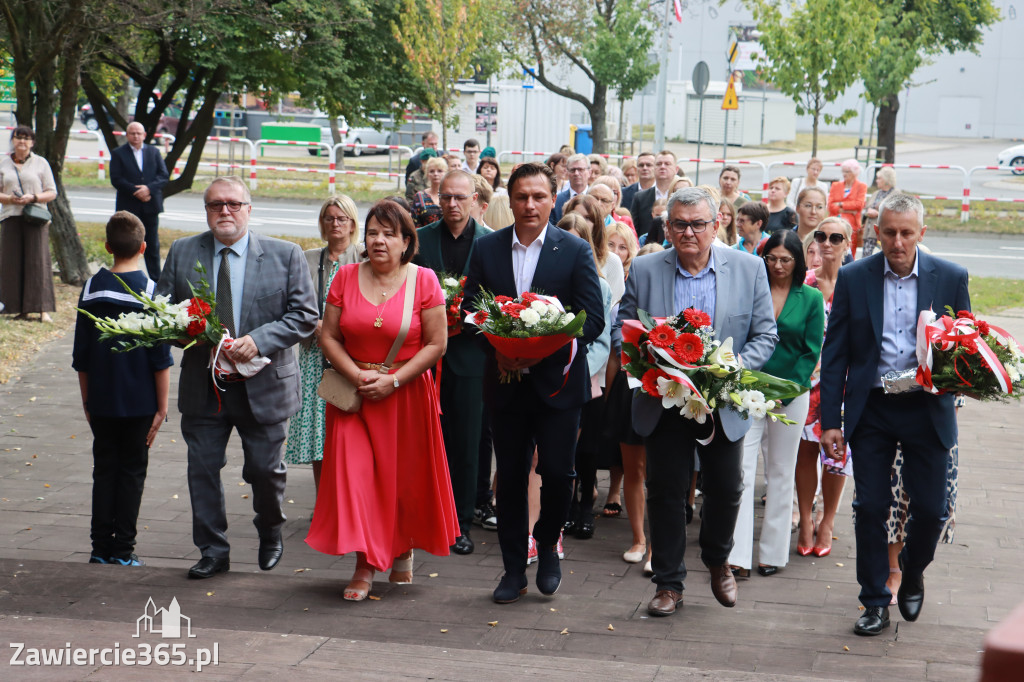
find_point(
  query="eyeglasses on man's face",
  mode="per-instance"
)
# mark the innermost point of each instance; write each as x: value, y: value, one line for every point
x: 835, y: 239
x: 218, y: 206
x: 695, y: 226
x: 453, y: 197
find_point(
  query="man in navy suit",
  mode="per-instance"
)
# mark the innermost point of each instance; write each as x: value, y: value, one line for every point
x: 645, y: 179
x: 138, y: 174
x: 541, y: 408
x: 871, y: 331
x: 578, y: 167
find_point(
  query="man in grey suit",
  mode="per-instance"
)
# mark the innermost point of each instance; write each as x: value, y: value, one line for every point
x: 731, y: 287
x: 265, y: 299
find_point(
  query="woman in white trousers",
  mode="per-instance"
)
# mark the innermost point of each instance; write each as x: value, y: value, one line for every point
x: 800, y: 316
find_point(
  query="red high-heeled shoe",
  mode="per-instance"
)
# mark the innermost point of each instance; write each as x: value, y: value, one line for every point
x: 821, y: 551
x: 804, y: 551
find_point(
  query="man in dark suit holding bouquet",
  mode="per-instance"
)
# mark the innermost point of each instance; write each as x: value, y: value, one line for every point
x: 872, y: 330
x: 542, y: 408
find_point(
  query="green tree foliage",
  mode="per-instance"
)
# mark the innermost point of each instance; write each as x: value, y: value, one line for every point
x: 605, y: 40
x: 440, y: 38
x: 47, y: 41
x: 815, y: 51
x: 339, y: 56
x: 909, y: 35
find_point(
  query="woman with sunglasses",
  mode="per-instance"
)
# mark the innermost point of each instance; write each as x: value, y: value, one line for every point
x: 833, y: 238
x: 800, y: 317
x: 26, y: 275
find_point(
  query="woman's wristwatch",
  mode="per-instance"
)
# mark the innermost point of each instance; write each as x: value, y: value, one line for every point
x: 395, y: 377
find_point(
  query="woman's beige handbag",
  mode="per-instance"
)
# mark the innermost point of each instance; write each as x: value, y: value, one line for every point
x: 339, y: 391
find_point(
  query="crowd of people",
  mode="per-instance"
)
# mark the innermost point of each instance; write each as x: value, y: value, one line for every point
x: 408, y: 464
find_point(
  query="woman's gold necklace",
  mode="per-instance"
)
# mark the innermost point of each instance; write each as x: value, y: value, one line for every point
x: 379, y: 321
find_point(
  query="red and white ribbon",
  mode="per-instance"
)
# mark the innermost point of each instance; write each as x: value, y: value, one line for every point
x: 946, y: 333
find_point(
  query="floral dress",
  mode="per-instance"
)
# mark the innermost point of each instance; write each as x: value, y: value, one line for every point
x: 424, y: 210
x: 812, y: 427
x: 306, y: 429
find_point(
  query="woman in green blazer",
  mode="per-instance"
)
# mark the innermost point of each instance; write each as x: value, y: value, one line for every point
x: 800, y: 316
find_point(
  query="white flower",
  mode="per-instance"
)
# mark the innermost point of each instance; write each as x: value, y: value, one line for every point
x: 529, y: 317
x: 673, y: 394
x: 722, y: 359
x: 1013, y: 373
x: 754, y: 403
x: 567, y: 318
x: 695, y: 408
x: 540, y: 307
x: 450, y: 282
x: 553, y: 313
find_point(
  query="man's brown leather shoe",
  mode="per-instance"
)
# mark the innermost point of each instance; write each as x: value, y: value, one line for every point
x: 723, y: 585
x: 664, y: 603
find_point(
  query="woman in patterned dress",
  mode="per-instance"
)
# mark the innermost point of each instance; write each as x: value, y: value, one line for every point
x: 338, y: 227
x: 833, y: 238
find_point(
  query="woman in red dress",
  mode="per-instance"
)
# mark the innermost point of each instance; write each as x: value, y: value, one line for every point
x: 384, y: 485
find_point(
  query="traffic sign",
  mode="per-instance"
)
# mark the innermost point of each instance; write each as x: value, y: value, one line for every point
x: 730, y: 102
x: 733, y: 51
x: 700, y: 78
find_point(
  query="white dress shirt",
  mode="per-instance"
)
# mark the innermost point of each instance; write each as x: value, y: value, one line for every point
x: 899, y: 321
x: 524, y: 260
x: 137, y: 153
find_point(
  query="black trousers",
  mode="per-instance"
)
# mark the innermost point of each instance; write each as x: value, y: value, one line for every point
x: 483, y: 472
x: 151, y: 221
x: 461, y: 414
x: 670, y: 453
x: 887, y: 420
x: 120, y: 458
x: 518, y: 427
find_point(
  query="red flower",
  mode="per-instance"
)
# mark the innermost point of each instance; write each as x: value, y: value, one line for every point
x: 482, y: 316
x: 527, y: 298
x: 698, y: 318
x: 196, y: 327
x: 970, y: 345
x: 513, y: 309
x: 650, y: 381
x: 688, y: 348
x: 965, y: 313
x: 983, y: 328
x: 502, y: 300
x: 662, y: 336
x: 197, y: 307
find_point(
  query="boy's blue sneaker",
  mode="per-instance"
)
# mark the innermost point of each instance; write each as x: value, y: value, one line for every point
x: 98, y: 560
x: 132, y: 560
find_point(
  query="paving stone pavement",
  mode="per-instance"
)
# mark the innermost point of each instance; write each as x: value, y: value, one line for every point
x: 292, y: 621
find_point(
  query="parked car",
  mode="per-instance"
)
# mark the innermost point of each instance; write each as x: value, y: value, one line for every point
x: 1013, y: 158
x: 355, y: 135
x: 88, y: 118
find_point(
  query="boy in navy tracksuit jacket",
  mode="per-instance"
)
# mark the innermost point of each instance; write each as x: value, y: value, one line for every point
x: 124, y: 396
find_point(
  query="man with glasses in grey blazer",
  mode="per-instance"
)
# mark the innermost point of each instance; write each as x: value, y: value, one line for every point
x: 265, y: 299
x: 731, y: 287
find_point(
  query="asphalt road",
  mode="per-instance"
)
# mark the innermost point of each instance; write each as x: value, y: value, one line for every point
x: 991, y: 256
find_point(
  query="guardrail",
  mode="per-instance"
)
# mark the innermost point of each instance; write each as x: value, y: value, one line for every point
x: 965, y: 198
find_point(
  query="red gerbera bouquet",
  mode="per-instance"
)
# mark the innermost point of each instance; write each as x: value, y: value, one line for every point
x: 532, y: 326
x: 677, y: 360
x: 959, y: 353
x: 453, y: 293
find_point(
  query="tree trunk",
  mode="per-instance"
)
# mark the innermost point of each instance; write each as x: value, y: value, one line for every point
x: 67, y: 248
x: 814, y: 134
x: 598, y: 118
x: 887, y: 110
